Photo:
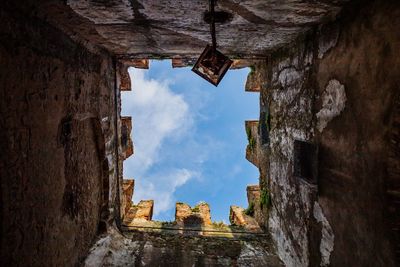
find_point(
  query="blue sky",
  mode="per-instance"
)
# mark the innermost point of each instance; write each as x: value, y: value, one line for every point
x: 189, y: 139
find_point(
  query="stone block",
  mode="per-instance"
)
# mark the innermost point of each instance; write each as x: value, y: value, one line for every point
x: 127, y: 193
x: 252, y: 149
x: 137, y: 63
x: 253, y: 196
x: 241, y: 63
x: 179, y: 62
x: 254, y: 81
x: 238, y: 217
x: 140, y: 212
x: 123, y: 78
x: 126, y: 141
x: 253, y: 193
x: 199, y: 215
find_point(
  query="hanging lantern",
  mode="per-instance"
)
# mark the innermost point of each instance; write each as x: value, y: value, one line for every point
x: 212, y: 64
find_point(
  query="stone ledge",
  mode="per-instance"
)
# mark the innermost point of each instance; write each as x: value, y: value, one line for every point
x: 126, y: 141
x: 140, y: 212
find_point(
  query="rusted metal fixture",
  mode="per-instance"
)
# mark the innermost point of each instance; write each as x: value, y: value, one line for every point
x: 212, y: 64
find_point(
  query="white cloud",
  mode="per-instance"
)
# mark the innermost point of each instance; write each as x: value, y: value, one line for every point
x: 157, y: 114
x: 161, y: 187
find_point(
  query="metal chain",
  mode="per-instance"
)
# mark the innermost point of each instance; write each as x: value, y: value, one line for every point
x: 212, y: 24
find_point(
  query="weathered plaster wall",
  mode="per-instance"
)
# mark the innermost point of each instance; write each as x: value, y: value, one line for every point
x: 57, y: 143
x: 336, y: 88
x: 354, y: 146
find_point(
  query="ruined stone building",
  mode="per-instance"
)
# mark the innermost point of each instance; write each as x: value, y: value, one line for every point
x: 327, y: 142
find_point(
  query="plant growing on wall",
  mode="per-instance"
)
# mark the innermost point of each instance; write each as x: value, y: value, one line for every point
x: 219, y: 224
x: 250, y: 139
x: 250, y: 209
x: 196, y: 209
x: 265, y: 199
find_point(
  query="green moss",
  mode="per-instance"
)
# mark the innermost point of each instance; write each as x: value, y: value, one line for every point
x: 250, y: 209
x: 265, y: 199
x: 250, y: 139
x: 248, y: 132
x: 196, y: 209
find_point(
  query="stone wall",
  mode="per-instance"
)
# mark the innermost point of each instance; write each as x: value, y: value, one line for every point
x: 140, y: 248
x: 336, y: 88
x: 287, y: 104
x: 57, y: 143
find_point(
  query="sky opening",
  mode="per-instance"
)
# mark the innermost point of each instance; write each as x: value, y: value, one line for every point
x: 189, y: 139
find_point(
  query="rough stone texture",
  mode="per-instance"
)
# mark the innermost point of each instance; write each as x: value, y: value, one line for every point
x: 346, y: 223
x: 287, y: 99
x: 169, y: 28
x: 126, y: 140
x: 57, y: 143
x: 237, y: 216
x: 127, y: 191
x: 164, y: 250
x: 123, y: 77
x: 242, y: 63
x: 254, y: 81
x: 143, y: 211
x: 253, y: 148
x: 185, y: 215
x: 253, y: 196
x: 180, y: 62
